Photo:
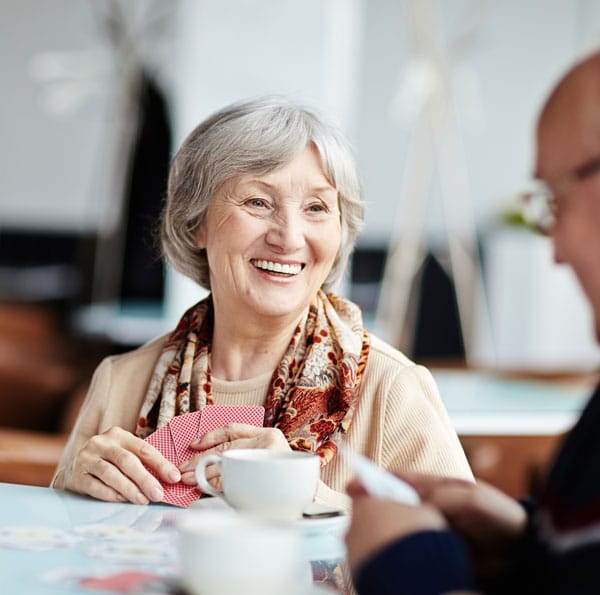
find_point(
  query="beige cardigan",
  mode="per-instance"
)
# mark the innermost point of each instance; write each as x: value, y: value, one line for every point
x: 400, y: 421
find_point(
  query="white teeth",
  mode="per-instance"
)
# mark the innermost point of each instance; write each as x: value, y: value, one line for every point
x: 277, y: 267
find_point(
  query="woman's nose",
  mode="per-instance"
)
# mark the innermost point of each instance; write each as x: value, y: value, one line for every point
x: 286, y: 232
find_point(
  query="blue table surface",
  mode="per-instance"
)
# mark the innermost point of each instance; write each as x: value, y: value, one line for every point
x: 96, y: 539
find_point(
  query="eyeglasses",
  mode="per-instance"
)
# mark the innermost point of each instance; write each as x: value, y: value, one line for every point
x: 540, y: 205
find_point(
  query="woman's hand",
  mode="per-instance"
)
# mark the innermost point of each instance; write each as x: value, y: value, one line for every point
x: 110, y: 467
x: 226, y: 438
x: 376, y: 523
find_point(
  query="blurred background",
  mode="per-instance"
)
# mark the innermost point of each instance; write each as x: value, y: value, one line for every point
x: 439, y: 101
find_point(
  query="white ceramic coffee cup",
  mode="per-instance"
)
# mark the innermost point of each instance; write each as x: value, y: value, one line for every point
x: 224, y: 553
x: 272, y: 484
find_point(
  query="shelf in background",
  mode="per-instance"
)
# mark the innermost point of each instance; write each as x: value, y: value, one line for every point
x: 486, y: 403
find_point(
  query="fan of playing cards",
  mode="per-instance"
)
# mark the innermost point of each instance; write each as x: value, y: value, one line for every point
x: 174, y: 438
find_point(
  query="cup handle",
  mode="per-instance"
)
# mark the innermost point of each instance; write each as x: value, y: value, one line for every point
x: 201, y: 477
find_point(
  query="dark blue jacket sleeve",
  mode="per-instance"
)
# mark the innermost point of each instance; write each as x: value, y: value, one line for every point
x: 426, y: 563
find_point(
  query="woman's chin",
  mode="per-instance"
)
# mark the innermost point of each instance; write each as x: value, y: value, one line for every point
x: 279, y: 305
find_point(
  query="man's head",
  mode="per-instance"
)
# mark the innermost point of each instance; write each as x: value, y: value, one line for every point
x: 568, y: 139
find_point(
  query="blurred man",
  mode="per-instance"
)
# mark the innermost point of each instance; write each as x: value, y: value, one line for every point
x: 467, y: 537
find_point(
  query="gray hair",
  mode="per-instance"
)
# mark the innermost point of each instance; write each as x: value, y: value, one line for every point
x: 255, y: 136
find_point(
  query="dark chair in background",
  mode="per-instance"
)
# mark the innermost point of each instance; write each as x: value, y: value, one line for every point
x: 46, y: 276
x: 42, y: 381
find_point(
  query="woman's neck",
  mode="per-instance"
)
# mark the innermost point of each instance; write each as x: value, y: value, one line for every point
x: 242, y: 353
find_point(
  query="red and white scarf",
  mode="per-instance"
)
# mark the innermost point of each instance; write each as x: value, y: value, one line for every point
x: 313, y: 391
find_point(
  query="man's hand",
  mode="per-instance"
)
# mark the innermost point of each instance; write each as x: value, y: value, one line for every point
x: 488, y: 520
x: 376, y: 523
x: 110, y: 466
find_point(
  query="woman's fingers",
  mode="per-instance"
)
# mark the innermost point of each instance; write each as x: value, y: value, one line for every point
x: 153, y: 458
x: 232, y: 436
x: 111, y: 467
x: 241, y: 436
x: 106, y: 483
x: 92, y: 486
x: 211, y: 472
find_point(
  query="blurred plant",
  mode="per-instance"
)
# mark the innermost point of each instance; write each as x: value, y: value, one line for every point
x: 513, y: 216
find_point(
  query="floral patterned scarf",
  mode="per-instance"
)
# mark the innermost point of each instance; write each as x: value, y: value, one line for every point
x: 313, y: 391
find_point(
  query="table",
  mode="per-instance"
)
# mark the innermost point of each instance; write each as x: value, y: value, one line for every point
x: 87, y: 539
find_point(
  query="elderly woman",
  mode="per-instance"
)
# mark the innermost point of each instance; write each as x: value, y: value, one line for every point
x: 263, y: 208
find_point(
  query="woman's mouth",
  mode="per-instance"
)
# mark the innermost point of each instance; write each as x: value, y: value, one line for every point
x: 277, y: 267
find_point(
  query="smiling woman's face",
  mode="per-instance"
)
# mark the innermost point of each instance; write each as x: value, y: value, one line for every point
x: 271, y: 240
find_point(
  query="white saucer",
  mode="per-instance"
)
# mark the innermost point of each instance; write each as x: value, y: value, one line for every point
x: 317, y: 590
x: 336, y: 525
x: 314, y: 589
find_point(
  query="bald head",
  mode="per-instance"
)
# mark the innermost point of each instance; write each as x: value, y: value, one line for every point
x: 568, y: 138
x: 576, y: 101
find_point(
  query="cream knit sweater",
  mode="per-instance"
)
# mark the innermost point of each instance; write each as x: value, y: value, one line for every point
x: 400, y: 421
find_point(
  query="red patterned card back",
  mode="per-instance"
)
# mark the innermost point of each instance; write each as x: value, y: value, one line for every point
x: 184, y: 430
x: 162, y: 441
x: 217, y: 416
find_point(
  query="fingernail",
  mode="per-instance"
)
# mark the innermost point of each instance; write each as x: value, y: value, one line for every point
x: 156, y: 494
x: 174, y: 475
x: 141, y: 499
x: 188, y: 478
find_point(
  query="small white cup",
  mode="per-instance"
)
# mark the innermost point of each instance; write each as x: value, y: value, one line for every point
x: 271, y: 484
x: 224, y: 553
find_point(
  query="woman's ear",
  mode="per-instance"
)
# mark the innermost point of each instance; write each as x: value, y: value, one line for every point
x: 200, y: 236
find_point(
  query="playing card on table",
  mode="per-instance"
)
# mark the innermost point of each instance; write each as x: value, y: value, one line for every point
x: 126, y: 581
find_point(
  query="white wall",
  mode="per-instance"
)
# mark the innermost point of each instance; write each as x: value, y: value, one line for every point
x: 226, y: 51
x: 346, y: 57
x: 49, y: 174
x: 500, y: 81
x: 60, y: 99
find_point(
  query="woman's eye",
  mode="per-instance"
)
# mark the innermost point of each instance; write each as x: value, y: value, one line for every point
x: 317, y: 208
x: 257, y: 202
